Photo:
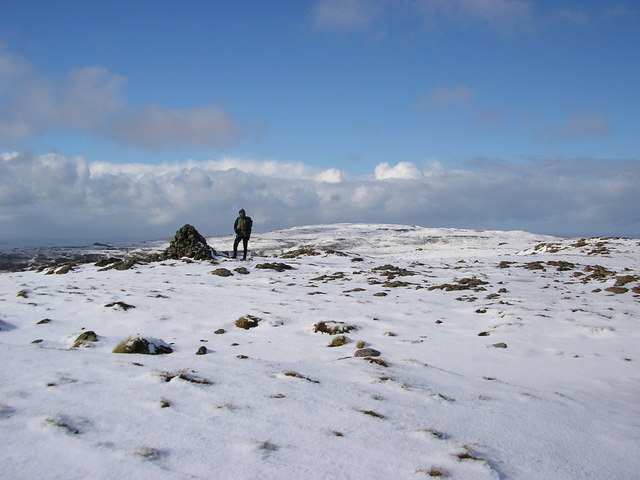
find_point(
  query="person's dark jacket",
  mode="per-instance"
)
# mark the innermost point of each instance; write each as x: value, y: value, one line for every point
x: 242, y: 226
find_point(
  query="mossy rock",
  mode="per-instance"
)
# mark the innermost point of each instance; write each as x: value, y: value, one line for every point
x: 247, y: 322
x: 142, y: 346
x: 333, y: 328
x: 188, y: 242
x: 367, y: 352
x: 338, y: 341
x: 222, y: 272
x: 85, y: 339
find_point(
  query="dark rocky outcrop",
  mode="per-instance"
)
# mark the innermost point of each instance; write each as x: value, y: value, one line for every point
x: 188, y: 242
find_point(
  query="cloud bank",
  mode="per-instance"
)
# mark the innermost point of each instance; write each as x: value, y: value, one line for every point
x: 50, y: 197
x: 90, y: 99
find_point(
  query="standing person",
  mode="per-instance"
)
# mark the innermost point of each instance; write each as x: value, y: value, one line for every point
x: 242, y: 227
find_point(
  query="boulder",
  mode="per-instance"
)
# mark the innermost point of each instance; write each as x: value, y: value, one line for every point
x: 188, y: 242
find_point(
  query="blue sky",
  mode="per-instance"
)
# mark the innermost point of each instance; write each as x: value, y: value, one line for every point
x: 351, y: 91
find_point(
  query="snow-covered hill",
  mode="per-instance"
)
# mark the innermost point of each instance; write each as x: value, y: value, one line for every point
x: 502, y: 355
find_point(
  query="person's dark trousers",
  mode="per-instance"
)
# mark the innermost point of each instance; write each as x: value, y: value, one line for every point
x: 245, y: 243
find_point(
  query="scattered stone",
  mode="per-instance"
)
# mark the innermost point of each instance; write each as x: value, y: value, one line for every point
x: 333, y: 328
x: 23, y: 293
x: 624, y: 279
x: 338, y: 341
x: 291, y: 373
x: 380, y: 294
x: 534, y: 266
x: 241, y: 270
x: 472, y: 283
x: 377, y: 361
x: 391, y: 271
x: 277, y: 266
x: 247, y: 322
x: 616, y: 290
x: 85, y: 339
x: 597, y: 272
x: 142, y: 346
x: 500, y: 345
x: 39, y: 340
x: 222, y: 272
x: 44, y: 321
x: 372, y: 413
x: 390, y: 334
x: 562, y: 266
x: 220, y: 331
x: 367, y: 352
x: 202, y: 350
x: 484, y: 334
x: 188, y: 242
x: 308, y: 251
x: 120, y: 305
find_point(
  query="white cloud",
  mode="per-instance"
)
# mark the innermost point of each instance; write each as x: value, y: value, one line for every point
x: 51, y: 196
x: 331, y: 175
x: 90, y: 100
x: 402, y: 170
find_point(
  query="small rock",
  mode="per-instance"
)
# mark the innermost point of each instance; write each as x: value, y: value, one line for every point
x: 44, y: 321
x: 367, y: 352
x: 247, y: 322
x: 220, y: 331
x: 85, y: 339
x: 222, y: 272
x: 202, y: 350
x: 338, y: 341
x: 500, y: 345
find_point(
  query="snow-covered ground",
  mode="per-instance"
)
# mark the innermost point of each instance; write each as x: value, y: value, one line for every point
x: 502, y: 356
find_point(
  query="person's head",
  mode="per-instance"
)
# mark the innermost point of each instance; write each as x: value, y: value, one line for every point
x: 242, y: 212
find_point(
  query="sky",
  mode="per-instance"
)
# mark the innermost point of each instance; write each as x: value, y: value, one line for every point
x: 125, y: 120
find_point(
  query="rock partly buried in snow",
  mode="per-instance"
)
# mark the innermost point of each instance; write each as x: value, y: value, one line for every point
x: 222, y: 272
x: 367, y: 352
x: 85, y: 339
x: 143, y: 346
x: 333, y: 328
x: 189, y: 243
x: 500, y: 345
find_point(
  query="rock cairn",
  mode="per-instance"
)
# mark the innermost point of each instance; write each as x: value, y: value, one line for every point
x: 189, y: 243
